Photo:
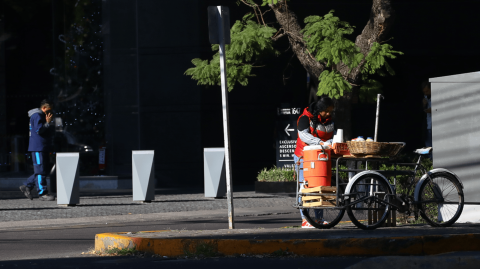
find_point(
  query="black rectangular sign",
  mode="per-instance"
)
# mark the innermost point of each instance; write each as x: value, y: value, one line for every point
x: 286, y: 134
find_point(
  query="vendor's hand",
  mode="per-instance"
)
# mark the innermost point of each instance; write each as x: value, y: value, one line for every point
x: 49, y: 117
x: 425, y: 101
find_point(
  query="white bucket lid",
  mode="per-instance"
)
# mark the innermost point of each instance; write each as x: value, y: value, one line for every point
x: 314, y: 147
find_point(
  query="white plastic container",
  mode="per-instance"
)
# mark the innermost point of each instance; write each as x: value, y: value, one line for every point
x: 338, y: 137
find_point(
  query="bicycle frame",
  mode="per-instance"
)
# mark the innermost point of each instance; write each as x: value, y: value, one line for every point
x: 340, y: 197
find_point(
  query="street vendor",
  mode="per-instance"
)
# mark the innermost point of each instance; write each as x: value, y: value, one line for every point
x: 315, y: 127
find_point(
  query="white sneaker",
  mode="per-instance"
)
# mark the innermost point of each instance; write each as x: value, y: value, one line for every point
x: 322, y: 222
x: 306, y: 225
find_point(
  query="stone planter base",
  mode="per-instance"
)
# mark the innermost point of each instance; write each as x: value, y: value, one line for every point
x: 278, y: 188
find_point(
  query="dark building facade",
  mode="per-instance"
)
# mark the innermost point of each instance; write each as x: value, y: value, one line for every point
x: 153, y: 105
x: 115, y: 70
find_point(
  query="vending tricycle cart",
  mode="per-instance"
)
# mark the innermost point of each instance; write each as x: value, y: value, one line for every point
x: 370, y: 197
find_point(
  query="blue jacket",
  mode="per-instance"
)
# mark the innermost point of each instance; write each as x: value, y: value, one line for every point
x: 41, y: 133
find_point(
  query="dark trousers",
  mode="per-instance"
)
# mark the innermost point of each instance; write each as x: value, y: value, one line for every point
x: 41, y: 165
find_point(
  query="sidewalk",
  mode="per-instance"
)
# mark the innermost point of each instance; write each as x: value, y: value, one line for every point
x: 100, y: 208
x: 117, y: 206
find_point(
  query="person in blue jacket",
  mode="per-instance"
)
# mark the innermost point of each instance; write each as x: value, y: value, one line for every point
x: 42, y: 132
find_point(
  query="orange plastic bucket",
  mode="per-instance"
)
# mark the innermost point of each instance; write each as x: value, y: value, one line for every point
x: 317, y: 166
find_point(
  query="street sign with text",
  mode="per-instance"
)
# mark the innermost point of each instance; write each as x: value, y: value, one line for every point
x: 286, y: 134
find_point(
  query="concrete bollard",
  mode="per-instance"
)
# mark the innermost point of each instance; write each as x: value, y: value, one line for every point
x: 68, y: 182
x: 143, y: 172
x: 214, y: 172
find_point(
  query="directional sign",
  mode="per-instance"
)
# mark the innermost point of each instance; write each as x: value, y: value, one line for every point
x: 289, y: 130
x: 286, y: 134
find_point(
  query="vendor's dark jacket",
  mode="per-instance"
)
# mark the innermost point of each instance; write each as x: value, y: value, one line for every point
x: 41, y: 133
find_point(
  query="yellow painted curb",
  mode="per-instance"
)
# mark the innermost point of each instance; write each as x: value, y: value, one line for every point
x: 415, y: 245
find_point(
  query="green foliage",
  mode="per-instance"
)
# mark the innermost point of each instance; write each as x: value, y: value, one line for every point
x: 369, y: 89
x: 250, y: 43
x: 343, y: 175
x: 269, y: 2
x: 122, y: 252
x: 325, y: 39
x: 374, y: 63
x: 332, y: 84
x: 194, y: 249
x: 403, y: 180
x: 375, y: 59
x: 276, y: 174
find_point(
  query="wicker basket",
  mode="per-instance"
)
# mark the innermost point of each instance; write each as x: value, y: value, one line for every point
x: 374, y: 148
x: 392, y: 149
x: 365, y: 148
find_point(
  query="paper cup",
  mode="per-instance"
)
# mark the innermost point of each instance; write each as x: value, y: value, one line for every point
x: 339, y: 136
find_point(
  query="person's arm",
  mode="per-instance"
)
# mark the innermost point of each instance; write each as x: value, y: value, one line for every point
x: 304, y: 134
x: 39, y: 125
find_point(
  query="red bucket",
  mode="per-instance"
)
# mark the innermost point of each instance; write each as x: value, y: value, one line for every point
x: 317, y: 166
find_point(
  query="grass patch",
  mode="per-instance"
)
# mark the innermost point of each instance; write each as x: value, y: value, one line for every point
x: 122, y: 252
x: 280, y: 253
x: 195, y: 249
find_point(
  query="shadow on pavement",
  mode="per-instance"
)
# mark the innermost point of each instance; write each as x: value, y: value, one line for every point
x: 211, y: 263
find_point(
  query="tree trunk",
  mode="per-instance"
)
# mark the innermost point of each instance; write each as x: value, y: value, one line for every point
x: 376, y: 29
x: 379, y: 24
x: 289, y: 22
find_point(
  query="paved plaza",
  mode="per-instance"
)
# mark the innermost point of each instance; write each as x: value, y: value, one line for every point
x: 167, y: 201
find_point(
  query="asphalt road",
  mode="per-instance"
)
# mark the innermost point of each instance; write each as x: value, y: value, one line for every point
x: 61, y: 247
x: 71, y: 241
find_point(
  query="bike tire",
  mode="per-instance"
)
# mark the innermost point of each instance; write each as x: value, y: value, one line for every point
x: 362, y: 214
x: 441, y: 214
x: 331, y: 215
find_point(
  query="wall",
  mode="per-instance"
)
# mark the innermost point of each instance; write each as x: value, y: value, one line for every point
x: 456, y: 132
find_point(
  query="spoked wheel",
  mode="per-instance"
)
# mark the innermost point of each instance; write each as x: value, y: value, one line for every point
x: 367, y: 194
x: 323, y: 218
x: 441, y: 200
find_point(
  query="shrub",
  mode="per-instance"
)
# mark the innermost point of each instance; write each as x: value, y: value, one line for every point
x: 276, y: 174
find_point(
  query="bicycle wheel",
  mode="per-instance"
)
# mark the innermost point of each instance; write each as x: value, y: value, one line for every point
x: 323, y: 218
x: 367, y: 194
x: 441, y: 200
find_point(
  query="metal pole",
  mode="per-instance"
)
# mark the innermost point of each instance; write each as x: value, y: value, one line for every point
x: 139, y: 100
x: 378, y: 115
x: 226, y: 125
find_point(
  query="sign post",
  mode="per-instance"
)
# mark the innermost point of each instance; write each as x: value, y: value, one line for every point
x: 219, y: 33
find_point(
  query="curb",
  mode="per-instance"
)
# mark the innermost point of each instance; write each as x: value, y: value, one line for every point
x: 385, y: 246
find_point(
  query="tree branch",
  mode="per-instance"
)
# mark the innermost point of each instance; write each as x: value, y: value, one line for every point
x: 275, y: 38
x: 381, y: 19
x: 255, y: 7
x: 288, y: 20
